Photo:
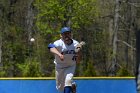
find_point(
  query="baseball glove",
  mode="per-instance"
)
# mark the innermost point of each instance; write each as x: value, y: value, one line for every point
x: 79, y: 46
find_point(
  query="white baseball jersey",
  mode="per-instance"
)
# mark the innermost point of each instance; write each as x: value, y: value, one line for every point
x: 67, y: 51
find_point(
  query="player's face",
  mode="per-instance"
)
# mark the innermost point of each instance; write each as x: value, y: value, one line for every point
x: 66, y: 36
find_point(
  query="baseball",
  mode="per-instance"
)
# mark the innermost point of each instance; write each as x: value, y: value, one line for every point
x: 32, y: 39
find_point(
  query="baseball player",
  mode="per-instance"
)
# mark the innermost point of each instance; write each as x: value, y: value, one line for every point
x: 65, y: 60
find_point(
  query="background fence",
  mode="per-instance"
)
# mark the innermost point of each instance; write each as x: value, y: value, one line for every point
x: 84, y: 85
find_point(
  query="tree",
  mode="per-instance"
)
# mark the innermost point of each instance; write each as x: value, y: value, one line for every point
x: 3, y: 23
x: 115, y: 38
x: 54, y: 14
x: 108, y: 27
x: 1, y: 27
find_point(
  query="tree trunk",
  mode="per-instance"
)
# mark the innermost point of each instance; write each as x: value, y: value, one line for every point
x: 1, y: 12
x: 127, y: 32
x: 133, y: 37
x: 29, y: 26
x: 110, y: 31
x: 29, y: 18
x: 0, y: 48
x: 1, y: 30
x: 116, y: 23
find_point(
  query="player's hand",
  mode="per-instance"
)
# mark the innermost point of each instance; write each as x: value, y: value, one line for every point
x: 61, y: 57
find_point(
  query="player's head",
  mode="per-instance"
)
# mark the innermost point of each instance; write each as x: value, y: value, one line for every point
x: 66, y: 34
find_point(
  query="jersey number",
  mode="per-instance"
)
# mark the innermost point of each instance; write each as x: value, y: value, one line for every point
x: 74, y: 58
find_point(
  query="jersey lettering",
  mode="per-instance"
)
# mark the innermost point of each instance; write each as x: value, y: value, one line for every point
x: 68, y: 52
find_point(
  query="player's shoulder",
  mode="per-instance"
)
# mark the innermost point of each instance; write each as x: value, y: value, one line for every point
x: 58, y: 41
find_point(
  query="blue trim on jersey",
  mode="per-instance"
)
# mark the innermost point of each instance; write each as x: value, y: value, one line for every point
x: 51, y: 46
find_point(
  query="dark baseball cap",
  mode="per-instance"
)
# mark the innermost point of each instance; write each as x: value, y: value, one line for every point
x: 65, y: 29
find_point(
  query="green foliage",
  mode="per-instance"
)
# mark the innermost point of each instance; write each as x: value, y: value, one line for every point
x: 90, y: 71
x: 4, y: 4
x: 13, y: 44
x: 123, y: 72
x: 23, y: 58
x: 53, y: 73
x: 2, y: 73
x: 31, y: 68
x: 53, y: 13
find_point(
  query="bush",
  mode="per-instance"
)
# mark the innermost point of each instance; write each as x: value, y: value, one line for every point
x: 31, y: 68
x: 123, y: 72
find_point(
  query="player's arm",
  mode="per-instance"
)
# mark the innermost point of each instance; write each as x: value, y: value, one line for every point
x: 53, y: 50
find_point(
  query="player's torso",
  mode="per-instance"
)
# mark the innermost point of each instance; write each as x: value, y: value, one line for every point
x: 68, y: 52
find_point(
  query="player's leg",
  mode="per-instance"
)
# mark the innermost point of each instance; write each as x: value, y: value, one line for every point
x: 60, y: 80
x: 68, y: 80
x: 70, y: 89
x: 67, y: 89
x: 69, y: 72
